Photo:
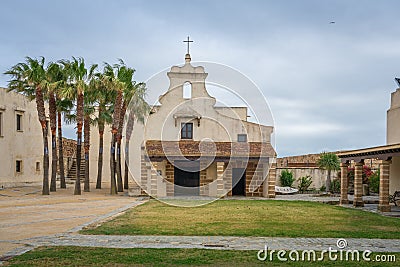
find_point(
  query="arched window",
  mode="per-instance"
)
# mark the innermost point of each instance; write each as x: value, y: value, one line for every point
x: 187, y: 90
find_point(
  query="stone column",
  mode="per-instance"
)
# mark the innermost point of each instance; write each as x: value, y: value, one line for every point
x: 344, y: 184
x: 271, y: 181
x: 220, y: 179
x: 358, y: 200
x: 169, y: 173
x: 153, y: 180
x: 384, y: 186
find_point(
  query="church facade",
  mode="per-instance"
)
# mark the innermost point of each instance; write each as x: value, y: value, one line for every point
x: 191, y: 147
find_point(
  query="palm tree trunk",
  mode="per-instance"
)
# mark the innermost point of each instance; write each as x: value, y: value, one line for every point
x: 45, y: 189
x: 126, y: 186
x: 54, y: 159
x: 100, y: 159
x: 119, y: 138
x: 79, y: 118
x: 60, y: 153
x: 114, y: 131
x: 53, y: 126
x: 328, y: 181
x: 112, y: 166
x: 42, y: 119
x: 77, y: 190
x: 118, y: 166
x: 86, y: 125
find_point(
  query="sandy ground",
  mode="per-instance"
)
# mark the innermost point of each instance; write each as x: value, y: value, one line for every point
x: 25, y: 213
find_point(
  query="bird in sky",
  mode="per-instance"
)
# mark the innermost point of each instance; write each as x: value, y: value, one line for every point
x: 332, y: 22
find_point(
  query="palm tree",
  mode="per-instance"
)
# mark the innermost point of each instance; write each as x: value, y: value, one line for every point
x: 131, y: 89
x: 54, y: 80
x: 104, y: 98
x: 63, y: 106
x: 87, y: 122
x: 138, y: 109
x: 29, y: 78
x: 113, y: 79
x: 329, y: 162
x: 78, y: 77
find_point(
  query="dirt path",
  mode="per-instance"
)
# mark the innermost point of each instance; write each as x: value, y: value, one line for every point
x: 25, y: 213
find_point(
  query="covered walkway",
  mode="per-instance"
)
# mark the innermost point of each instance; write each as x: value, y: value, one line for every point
x: 385, y: 154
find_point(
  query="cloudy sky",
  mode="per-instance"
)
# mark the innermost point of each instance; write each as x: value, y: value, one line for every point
x: 328, y: 84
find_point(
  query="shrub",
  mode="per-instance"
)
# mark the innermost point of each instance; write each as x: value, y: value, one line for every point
x: 335, y: 186
x: 286, y: 178
x: 322, y: 188
x: 374, y: 182
x: 367, y: 172
x: 304, y: 183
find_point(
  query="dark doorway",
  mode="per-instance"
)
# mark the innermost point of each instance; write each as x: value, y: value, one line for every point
x: 186, y: 178
x: 238, y: 182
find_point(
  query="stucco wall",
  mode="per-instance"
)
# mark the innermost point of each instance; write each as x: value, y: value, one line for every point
x: 318, y: 176
x: 393, y: 119
x: 208, y: 122
x: 25, y: 145
x: 394, y: 184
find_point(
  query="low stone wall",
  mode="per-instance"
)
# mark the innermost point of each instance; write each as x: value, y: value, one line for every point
x: 318, y: 176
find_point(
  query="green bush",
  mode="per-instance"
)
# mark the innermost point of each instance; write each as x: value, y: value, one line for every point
x: 322, y: 188
x: 286, y: 178
x: 335, y: 186
x: 304, y: 183
x: 374, y: 182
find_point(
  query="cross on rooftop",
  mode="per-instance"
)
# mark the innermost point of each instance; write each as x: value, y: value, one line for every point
x: 188, y: 41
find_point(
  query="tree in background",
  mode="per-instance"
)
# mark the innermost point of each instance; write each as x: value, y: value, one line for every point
x: 329, y: 162
x: 104, y: 100
x: 78, y: 77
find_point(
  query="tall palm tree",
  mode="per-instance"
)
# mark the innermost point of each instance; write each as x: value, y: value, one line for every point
x: 112, y: 78
x: 29, y: 78
x: 125, y: 75
x: 89, y: 99
x: 138, y: 109
x: 63, y: 106
x: 78, y: 77
x: 54, y: 81
x: 329, y: 162
x: 104, y: 98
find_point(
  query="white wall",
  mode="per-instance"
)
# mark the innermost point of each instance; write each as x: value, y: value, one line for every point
x: 393, y: 119
x: 25, y: 145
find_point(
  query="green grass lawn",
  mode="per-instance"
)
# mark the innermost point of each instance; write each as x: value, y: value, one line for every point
x: 83, y: 256
x: 251, y: 218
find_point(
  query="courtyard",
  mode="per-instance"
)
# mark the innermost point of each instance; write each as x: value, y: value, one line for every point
x: 38, y: 230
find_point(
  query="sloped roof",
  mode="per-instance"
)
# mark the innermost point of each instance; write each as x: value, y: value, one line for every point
x: 372, y: 152
x: 157, y: 148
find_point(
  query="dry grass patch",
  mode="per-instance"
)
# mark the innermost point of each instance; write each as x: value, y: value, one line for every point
x: 251, y: 218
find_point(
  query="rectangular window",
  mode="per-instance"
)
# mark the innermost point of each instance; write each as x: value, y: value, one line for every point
x: 1, y: 123
x: 37, y: 166
x: 187, y: 131
x: 242, y: 138
x: 18, y: 166
x: 19, y: 122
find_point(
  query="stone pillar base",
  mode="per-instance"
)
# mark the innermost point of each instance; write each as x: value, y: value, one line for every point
x: 384, y: 208
x: 344, y: 201
x: 358, y: 203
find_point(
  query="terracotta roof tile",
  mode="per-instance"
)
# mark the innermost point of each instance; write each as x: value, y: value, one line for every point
x: 157, y: 148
